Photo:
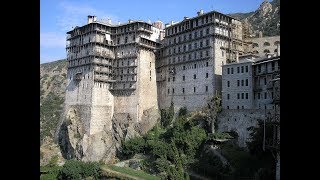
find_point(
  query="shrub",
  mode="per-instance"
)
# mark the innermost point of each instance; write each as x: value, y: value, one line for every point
x: 53, y: 161
x: 74, y: 169
x: 182, y: 111
x: 133, y: 146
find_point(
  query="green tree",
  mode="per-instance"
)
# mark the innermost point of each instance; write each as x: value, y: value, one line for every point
x: 133, y: 146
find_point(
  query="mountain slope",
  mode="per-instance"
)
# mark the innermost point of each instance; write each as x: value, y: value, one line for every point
x: 265, y: 19
x: 52, y: 92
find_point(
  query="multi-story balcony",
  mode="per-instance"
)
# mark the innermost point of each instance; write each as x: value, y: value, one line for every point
x: 102, y: 54
x: 132, y: 55
x: 132, y: 87
x: 103, y: 78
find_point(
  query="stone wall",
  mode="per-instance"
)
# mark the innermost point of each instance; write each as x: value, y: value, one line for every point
x: 239, y: 121
x: 259, y: 46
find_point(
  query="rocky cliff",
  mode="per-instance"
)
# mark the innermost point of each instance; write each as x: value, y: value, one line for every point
x: 62, y: 133
x: 52, y: 92
x: 265, y: 19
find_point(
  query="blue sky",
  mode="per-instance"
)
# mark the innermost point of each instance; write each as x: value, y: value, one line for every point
x: 59, y: 16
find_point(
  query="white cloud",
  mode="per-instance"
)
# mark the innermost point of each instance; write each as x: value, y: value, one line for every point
x: 75, y: 14
x: 52, y: 40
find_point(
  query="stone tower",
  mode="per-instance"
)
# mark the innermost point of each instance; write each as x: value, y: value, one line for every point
x: 111, y: 85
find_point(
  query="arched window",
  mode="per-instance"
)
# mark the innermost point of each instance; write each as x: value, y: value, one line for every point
x: 266, y: 51
x: 266, y: 44
x: 276, y: 43
x: 255, y: 52
x: 255, y: 45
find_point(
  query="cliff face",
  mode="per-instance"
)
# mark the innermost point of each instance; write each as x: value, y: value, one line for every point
x: 52, y: 92
x: 265, y: 19
x: 62, y: 133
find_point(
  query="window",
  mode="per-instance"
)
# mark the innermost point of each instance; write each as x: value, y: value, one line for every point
x: 190, y: 36
x: 172, y: 90
x: 242, y: 107
x: 206, y: 88
x: 227, y: 107
x: 207, y: 42
x: 201, y: 33
x: 207, y: 30
x: 168, y: 91
x: 231, y: 70
x: 242, y: 95
x: 183, y: 90
x: 266, y: 44
x: 265, y: 81
x: 272, y: 65
x: 247, y: 95
x: 173, y: 78
x: 242, y: 69
x: 195, y: 34
x: 207, y: 75
x: 168, y: 79
x: 228, y: 96
x: 201, y: 44
x: 238, y: 82
x: 266, y: 51
x: 247, y: 82
x: 194, y: 76
x: 207, y: 64
x: 238, y: 95
x: 228, y: 83
x: 126, y: 39
x: 238, y: 69
x: 183, y: 78
x: 255, y: 45
x: 228, y: 70
x: 242, y: 82
x: 222, y: 53
x: 194, y: 89
x: 258, y: 95
x: 184, y: 67
x: 207, y: 53
x: 237, y: 108
x: 272, y: 95
x: 247, y: 69
x: 265, y: 95
x: 195, y: 45
x: 195, y: 66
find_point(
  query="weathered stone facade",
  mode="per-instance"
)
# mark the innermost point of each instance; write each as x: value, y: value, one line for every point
x: 189, y: 66
x: 265, y: 45
x: 239, y: 121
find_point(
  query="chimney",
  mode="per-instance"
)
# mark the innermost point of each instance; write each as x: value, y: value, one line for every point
x: 109, y: 21
x: 200, y: 12
x: 94, y: 18
x: 185, y: 18
x: 90, y: 19
x: 171, y: 22
x: 130, y: 21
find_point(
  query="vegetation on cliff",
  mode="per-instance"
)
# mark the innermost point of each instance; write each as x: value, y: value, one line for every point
x: 265, y: 19
x: 52, y: 92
